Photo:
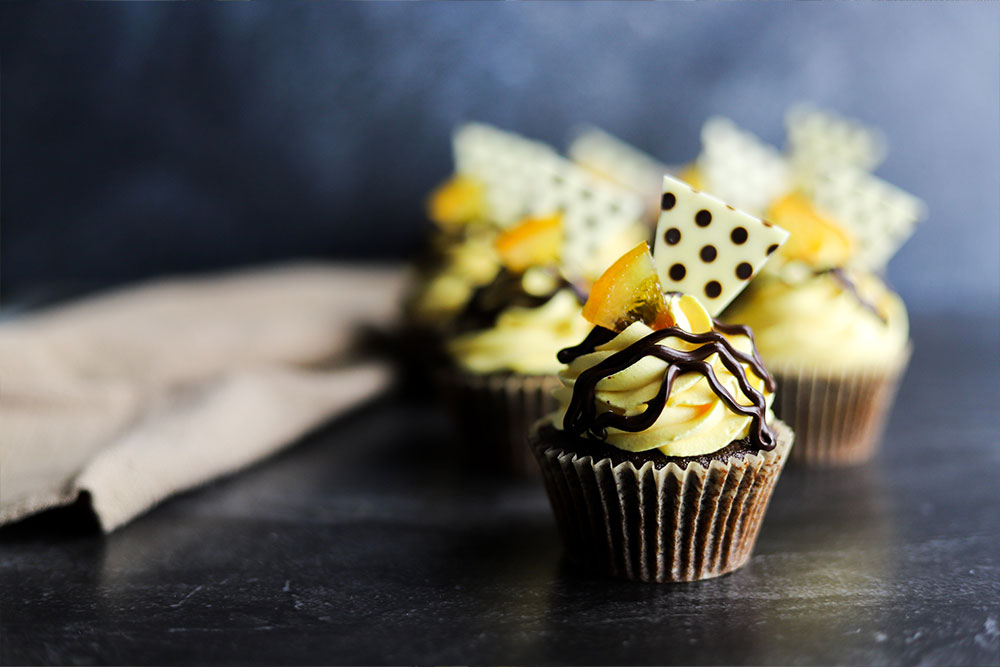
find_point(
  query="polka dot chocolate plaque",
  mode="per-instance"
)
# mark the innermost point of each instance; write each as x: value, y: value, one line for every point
x: 508, y: 165
x: 600, y: 152
x: 592, y: 210
x: 818, y: 138
x: 880, y: 215
x: 525, y: 178
x: 707, y: 248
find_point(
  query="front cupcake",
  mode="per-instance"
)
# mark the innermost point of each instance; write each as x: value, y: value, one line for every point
x: 663, y: 454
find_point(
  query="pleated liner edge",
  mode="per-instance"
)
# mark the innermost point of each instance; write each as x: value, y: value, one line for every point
x: 494, y: 414
x: 661, y: 525
x: 838, y: 418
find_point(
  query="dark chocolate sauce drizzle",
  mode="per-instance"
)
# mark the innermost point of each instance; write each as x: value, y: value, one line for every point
x: 598, y: 336
x: 841, y: 276
x: 581, y: 414
x: 503, y: 292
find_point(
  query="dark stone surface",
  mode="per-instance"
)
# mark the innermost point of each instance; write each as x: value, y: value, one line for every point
x: 365, y: 545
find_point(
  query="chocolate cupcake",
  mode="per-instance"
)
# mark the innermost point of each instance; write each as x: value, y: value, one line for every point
x: 663, y: 455
x: 659, y: 467
x: 834, y: 336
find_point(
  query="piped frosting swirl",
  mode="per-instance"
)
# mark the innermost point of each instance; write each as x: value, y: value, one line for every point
x: 686, y: 390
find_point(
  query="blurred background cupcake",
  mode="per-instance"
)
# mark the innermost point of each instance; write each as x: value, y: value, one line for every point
x: 544, y: 228
x: 833, y: 333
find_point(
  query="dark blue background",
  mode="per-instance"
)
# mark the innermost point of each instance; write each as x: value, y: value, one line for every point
x: 144, y: 139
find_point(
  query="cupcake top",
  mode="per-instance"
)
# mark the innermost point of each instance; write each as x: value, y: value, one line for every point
x: 821, y: 188
x: 559, y: 227
x: 523, y: 339
x: 686, y: 389
x: 462, y: 263
x: 830, y: 319
x: 529, y: 311
x: 460, y: 256
x: 658, y: 372
x: 820, y: 303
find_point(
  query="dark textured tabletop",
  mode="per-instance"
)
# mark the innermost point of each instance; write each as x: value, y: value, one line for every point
x: 366, y: 544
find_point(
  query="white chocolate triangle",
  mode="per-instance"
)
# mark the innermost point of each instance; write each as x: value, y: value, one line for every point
x: 608, y: 156
x: 593, y: 210
x: 740, y: 168
x: 742, y: 244
x: 880, y: 215
x: 819, y: 139
x: 505, y: 163
x: 529, y: 178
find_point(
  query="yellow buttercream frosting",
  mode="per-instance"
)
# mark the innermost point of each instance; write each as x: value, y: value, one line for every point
x: 523, y: 340
x: 816, y: 321
x: 467, y: 263
x: 694, y: 421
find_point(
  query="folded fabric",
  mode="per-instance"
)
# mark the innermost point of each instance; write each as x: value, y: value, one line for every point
x: 139, y: 394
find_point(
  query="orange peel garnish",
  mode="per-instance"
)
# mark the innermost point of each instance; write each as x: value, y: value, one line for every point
x: 532, y: 242
x: 456, y: 202
x: 628, y: 291
x: 813, y: 238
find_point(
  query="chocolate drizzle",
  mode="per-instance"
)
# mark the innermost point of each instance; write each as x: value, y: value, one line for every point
x: 581, y: 414
x: 841, y: 276
x: 598, y: 336
x: 506, y: 291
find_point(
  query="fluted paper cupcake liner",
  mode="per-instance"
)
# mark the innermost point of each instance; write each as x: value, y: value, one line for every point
x: 661, y: 524
x: 495, y: 412
x: 838, y: 418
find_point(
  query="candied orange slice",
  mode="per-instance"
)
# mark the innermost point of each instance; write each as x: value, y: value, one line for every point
x: 814, y: 239
x: 629, y: 291
x: 532, y: 242
x: 457, y: 201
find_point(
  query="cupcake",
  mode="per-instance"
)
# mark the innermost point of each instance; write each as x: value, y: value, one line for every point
x: 560, y: 227
x: 835, y: 336
x: 663, y: 454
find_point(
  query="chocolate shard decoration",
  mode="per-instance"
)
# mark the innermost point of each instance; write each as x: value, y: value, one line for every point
x: 507, y: 164
x: 528, y: 178
x: 740, y: 168
x: 593, y: 211
x: 606, y: 155
x: 880, y: 215
x: 819, y: 139
x: 707, y: 248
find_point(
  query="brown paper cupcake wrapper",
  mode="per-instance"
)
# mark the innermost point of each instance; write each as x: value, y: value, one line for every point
x: 495, y: 412
x: 838, y: 418
x: 666, y: 524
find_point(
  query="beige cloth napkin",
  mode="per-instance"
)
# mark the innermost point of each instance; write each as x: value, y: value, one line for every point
x: 139, y: 394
